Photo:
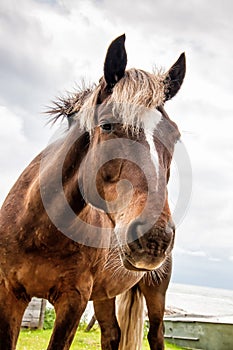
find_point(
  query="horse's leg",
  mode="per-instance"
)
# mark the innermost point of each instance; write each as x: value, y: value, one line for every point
x: 110, y: 331
x: 11, y: 314
x: 155, y: 300
x: 69, y: 308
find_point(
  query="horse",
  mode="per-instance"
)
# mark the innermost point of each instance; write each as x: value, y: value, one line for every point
x: 89, y: 219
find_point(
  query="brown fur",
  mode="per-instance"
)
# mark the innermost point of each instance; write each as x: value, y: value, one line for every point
x: 37, y: 259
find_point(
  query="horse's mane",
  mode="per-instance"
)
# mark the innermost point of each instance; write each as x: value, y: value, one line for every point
x: 134, y: 92
x: 70, y: 105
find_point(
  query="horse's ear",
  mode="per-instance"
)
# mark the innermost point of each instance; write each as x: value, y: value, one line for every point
x: 115, y: 61
x: 175, y: 77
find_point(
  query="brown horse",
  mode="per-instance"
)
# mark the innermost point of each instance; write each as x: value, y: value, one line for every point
x: 89, y: 218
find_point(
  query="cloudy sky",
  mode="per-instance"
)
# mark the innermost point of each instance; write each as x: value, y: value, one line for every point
x: 48, y: 46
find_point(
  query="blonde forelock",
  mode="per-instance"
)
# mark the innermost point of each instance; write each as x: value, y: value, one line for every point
x: 135, y: 92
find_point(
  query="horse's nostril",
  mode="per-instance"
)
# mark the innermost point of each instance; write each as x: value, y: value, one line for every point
x: 134, y: 231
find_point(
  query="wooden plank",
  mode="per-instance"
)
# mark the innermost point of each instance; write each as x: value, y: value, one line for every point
x: 34, y: 314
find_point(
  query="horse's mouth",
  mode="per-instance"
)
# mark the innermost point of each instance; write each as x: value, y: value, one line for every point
x: 146, y: 263
x: 130, y: 266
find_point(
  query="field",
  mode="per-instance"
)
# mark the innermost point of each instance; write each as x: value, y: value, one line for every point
x: 38, y: 340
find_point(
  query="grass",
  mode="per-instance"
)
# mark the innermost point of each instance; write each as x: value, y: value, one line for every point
x: 38, y: 340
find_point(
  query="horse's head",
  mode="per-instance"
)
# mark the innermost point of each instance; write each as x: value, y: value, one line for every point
x: 131, y: 148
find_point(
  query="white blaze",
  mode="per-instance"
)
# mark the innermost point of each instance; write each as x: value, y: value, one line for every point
x: 151, y: 120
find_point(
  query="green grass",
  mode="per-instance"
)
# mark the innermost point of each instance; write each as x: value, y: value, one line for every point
x: 38, y: 340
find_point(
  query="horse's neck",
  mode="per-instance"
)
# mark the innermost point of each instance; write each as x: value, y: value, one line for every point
x: 61, y: 167
x: 63, y: 199
x: 57, y: 165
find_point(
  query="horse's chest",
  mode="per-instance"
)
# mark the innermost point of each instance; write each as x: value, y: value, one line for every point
x: 114, y: 283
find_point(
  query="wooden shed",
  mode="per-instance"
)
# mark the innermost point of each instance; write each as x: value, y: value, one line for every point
x: 34, y: 314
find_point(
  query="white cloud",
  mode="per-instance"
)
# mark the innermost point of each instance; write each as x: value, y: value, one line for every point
x: 13, y: 143
x: 190, y: 252
x: 215, y: 259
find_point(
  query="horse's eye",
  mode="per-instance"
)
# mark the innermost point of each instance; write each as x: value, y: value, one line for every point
x: 107, y: 127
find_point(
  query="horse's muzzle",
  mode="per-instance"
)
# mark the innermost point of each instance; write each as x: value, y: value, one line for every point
x: 147, y: 251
